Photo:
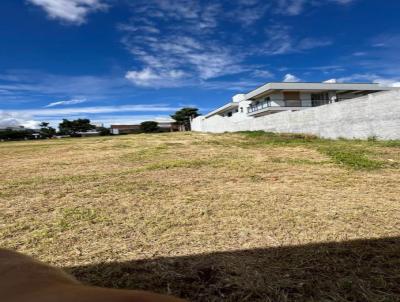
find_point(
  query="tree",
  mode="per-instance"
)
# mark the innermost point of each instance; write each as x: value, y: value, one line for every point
x: 103, y: 131
x: 9, y: 134
x: 149, y: 127
x: 46, y: 130
x: 184, y: 115
x: 68, y: 127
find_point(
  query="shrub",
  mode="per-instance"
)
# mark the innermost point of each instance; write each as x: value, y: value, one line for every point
x: 149, y: 127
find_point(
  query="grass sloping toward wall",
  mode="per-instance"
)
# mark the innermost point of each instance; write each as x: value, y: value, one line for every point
x: 227, y: 217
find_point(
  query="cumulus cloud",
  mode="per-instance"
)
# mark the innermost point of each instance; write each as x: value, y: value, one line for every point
x: 70, y: 102
x: 330, y: 81
x: 190, y: 37
x: 184, y: 50
x: 70, y: 11
x: 165, y: 54
x: 291, y: 78
x: 12, y: 119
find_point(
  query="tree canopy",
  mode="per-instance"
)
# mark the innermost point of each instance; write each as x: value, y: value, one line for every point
x: 46, y: 130
x: 9, y: 134
x: 149, y: 127
x: 72, y: 127
x: 184, y: 115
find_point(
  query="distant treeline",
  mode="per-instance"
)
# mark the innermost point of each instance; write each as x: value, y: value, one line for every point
x: 79, y: 127
x: 9, y: 134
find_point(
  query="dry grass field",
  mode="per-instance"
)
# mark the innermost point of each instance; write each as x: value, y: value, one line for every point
x: 230, y: 217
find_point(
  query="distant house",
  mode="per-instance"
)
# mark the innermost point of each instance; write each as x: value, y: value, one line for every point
x: 125, y: 129
x: 166, y: 125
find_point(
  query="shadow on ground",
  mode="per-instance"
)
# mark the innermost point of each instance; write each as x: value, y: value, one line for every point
x: 361, y: 270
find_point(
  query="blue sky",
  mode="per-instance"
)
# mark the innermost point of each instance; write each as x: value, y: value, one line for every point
x: 125, y: 61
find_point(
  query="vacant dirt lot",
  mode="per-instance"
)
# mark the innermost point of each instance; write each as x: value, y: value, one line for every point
x: 232, y: 217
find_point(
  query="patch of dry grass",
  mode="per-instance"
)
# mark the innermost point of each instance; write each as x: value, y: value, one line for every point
x: 235, y: 217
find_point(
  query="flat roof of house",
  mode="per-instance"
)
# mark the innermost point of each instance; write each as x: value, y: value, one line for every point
x: 315, y: 86
x: 225, y: 107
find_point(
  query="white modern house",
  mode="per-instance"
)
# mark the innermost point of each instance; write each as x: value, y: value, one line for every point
x: 311, y: 108
x: 276, y: 97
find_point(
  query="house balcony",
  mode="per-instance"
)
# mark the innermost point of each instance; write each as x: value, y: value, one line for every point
x: 283, y: 105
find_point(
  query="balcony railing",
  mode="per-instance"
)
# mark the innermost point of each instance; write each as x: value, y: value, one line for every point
x: 286, y: 103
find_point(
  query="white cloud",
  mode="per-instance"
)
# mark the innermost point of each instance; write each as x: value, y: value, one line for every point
x: 372, y: 78
x: 330, y: 81
x: 343, y: 1
x: 290, y: 7
x: 142, y: 77
x: 148, y: 77
x: 70, y: 11
x: 280, y: 41
x: 359, y: 53
x: 310, y: 43
x: 92, y: 110
x: 248, y: 12
x: 388, y: 82
x: 70, y: 102
x: 262, y: 74
x: 185, y: 50
x: 193, y: 39
x: 24, y: 86
x: 296, y: 7
x: 175, y: 60
x: 291, y: 78
x: 31, y: 124
x: 8, y: 119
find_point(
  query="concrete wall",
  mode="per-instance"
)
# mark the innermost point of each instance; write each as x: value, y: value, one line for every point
x: 376, y: 115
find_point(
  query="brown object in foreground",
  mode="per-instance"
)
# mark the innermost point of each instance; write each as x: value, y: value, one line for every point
x: 25, y: 279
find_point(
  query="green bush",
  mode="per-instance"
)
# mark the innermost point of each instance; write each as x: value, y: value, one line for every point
x: 149, y: 127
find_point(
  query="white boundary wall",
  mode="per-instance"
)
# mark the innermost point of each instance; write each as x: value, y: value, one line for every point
x: 374, y: 115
